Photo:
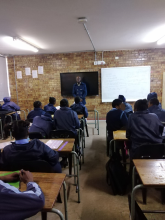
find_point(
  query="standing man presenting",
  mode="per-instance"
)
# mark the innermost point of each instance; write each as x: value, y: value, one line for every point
x: 80, y: 89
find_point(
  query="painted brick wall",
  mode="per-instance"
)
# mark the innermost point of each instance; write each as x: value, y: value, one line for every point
x: 48, y: 84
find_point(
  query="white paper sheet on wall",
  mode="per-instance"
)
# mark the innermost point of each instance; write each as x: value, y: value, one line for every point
x: 34, y: 74
x: 40, y: 70
x: 27, y: 71
x: 19, y: 74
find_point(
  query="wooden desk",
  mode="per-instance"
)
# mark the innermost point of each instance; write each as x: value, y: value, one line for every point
x: 80, y: 116
x: 50, y: 183
x: 152, y: 174
x: 120, y: 135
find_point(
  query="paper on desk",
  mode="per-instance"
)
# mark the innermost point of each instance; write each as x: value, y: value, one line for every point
x: 19, y: 74
x: 4, y: 144
x: 54, y: 144
x: 34, y: 74
x: 27, y: 71
x: 40, y: 70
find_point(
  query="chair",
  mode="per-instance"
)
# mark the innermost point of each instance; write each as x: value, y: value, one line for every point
x: 150, y: 151
x: 37, y: 135
x: 62, y: 134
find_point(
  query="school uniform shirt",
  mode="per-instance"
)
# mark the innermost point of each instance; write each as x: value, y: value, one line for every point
x: 158, y: 111
x: 35, y: 112
x: 10, y: 106
x: 17, y: 205
x: 66, y: 119
x: 143, y: 127
x: 50, y: 108
x: 80, y: 90
x: 80, y: 109
x: 42, y: 124
x: 23, y: 150
x: 115, y: 119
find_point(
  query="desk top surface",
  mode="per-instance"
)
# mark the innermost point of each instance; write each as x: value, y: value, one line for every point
x: 80, y: 116
x: 50, y: 183
x: 151, y: 172
x: 119, y: 135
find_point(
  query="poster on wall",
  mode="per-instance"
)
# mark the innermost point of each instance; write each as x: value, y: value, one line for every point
x: 19, y: 74
x: 40, y: 69
x: 27, y: 71
x: 34, y: 74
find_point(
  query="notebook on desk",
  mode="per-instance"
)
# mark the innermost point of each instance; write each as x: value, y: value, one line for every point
x: 54, y: 144
x: 15, y: 184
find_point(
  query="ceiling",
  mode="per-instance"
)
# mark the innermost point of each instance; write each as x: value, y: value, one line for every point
x: 52, y: 25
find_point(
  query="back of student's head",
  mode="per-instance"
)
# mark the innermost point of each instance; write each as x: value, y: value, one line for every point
x: 141, y: 105
x: 123, y: 99
x: 64, y: 103
x: 116, y: 102
x: 77, y: 99
x: 151, y: 96
x: 154, y: 101
x: 52, y: 100
x: 19, y: 129
x: 37, y: 104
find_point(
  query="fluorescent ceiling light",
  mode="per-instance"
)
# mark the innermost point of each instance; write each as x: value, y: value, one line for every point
x: 161, y: 41
x: 24, y: 45
x: 155, y: 34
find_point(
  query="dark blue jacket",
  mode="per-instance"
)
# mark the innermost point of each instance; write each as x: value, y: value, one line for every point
x: 80, y: 91
x: 66, y: 119
x: 34, y: 150
x: 35, y: 112
x: 10, y: 106
x: 17, y: 205
x: 128, y: 108
x: 42, y: 124
x: 80, y: 109
x: 143, y: 127
x: 116, y: 119
x: 50, y: 108
x: 158, y: 111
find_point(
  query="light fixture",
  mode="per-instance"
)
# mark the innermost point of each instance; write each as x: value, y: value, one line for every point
x: 161, y: 41
x: 22, y: 44
x: 155, y: 34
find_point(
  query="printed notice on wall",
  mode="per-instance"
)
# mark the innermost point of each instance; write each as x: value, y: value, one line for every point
x: 34, y: 74
x: 40, y: 70
x: 27, y: 71
x: 19, y: 74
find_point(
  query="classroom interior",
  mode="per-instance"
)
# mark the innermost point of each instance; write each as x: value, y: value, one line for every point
x: 117, y: 30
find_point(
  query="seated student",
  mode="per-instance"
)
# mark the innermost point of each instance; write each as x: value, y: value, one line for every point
x: 66, y: 118
x: 153, y: 107
x: 128, y: 108
x: 17, y: 205
x: 10, y: 106
x: 38, y: 111
x: 151, y: 96
x: 79, y: 107
x: 50, y: 107
x: 116, y: 118
x: 23, y: 150
x: 143, y: 127
x: 42, y: 124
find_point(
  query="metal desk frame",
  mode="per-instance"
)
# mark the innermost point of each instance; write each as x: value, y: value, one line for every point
x: 96, y: 121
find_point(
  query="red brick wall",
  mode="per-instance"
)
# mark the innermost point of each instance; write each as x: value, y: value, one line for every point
x: 48, y: 84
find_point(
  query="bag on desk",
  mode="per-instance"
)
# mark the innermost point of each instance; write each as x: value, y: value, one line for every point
x: 117, y: 177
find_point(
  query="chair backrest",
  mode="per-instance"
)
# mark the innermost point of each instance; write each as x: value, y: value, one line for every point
x: 62, y: 134
x: 37, y: 135
x: 150, y: 151
x: 32, y: 166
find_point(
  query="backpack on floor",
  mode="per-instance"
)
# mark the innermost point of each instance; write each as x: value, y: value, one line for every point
x: 117, y: 177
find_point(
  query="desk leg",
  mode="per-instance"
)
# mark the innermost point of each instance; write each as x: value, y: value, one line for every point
x: 70, y: 164
x: 98, y: 122
x: 133, y: 200
x: 110, y: 150
x: 44, y: 215
x: 65, y: 201
x: 95, y: 118
x: 58, y: 213
x: 133, y: 177
x: 74, y: 164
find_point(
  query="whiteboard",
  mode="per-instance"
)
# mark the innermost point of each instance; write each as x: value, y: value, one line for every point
x: 132, y: 82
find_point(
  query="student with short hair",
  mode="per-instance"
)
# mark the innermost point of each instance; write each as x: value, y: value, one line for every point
x: 24, y: 150
x: 10, y: 106
x: 143, y: 127
x: 79, y: 107
x: 42, y: 124
x: 152, y: 95
x: 66, y: 118
x: 17, y: 205
x: 50, y: 107
x: 116, y: 118
x: 128, y: 108
x: 38, y: 111
x: 153, y: 107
